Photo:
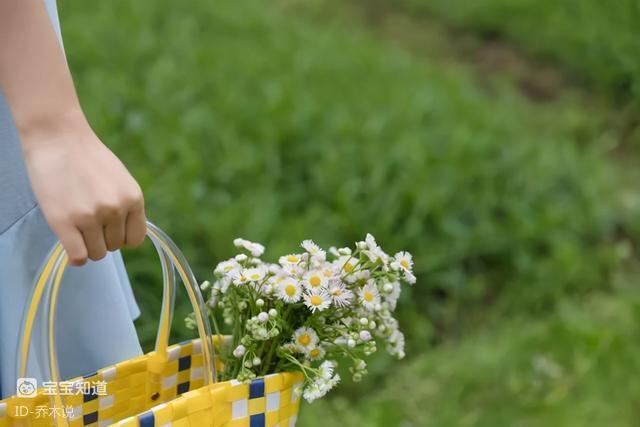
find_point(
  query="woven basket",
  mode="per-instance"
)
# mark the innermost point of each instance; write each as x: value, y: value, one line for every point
x: 171, y: 386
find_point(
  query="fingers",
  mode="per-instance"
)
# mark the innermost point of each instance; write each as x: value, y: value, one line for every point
x: 94, y: 241
x: 136, y: 227
x: 114, y: 232
x: 73, y: 243
x: 108, y: 227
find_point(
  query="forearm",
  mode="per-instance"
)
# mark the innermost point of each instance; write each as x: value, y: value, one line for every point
x: 34, y: 74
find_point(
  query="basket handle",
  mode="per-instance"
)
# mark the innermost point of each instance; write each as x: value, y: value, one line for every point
x: 171, y: 259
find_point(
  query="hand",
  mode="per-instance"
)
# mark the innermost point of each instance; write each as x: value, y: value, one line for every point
x: 89, y: 199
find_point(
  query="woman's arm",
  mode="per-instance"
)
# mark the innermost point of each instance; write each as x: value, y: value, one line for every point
x: 88, y: 197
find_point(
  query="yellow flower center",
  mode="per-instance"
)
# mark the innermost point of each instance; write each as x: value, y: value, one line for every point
x: 242, y: 278
x: 292, y: 258
x: 348, y: 267
x: 315, y: 281
x: 316, y: 300
x: 328, y: 273
x: 405, y: 263
x: 368, y: 296
x: 304, y: 339
x: 228, y: 268
x: 290, y: 290
x: 337, y: 292
x: 255, y: 276
x: 314, y: 353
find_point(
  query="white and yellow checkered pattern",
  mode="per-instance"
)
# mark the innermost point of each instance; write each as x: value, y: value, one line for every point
x: 149, y: 392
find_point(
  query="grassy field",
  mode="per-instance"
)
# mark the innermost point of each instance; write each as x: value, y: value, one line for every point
x: 284, y: 121
x: 595, y: 41
x: 574, y: 367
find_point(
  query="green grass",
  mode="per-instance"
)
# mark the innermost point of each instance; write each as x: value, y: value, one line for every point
x: 243, y: 119
x: 577, y: 367
x: 596, y: 40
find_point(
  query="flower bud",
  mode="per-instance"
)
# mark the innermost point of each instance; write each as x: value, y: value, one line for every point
x: 239, y: 351
x: 256, y: 361
x: 263, y: 317
x: 205, y: 285
x: 259, y: 302
x: 273, y: 312
x: 372, y: 325
x: 351, y: 343
x: 365, y: 336
x: 388, y: 287
x: 364, y: 321
x: 241, y: 257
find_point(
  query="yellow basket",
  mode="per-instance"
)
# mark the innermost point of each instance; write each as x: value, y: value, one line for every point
x: 171, y: 386
x: 136, y: 397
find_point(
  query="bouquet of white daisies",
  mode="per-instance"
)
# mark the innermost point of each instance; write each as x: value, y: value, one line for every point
x: 307, y: 311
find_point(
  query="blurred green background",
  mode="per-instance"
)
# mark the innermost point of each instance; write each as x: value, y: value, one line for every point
x: 496, y: 140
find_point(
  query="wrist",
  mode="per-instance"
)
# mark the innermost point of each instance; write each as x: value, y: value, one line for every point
x: 46, y: 129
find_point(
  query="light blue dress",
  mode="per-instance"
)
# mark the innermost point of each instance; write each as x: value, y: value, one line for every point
x: 96, y: 304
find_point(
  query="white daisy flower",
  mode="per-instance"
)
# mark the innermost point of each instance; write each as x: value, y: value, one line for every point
x: 315, y: 353
x: 289, y: 260
x: 358, y: 276
x: 369, y: 296
x: 312, y: 392
x: 293, y: 270
x: 289, y: 290
x: 254, y: 274
x: 226, y: 267
x: 256, y: 249
x: 238, y: 278
x: 409, y: 277
x: 327, y: 368
x: 223, y: 284
x: 314, y: 250
x: 344, y: 251
x: 346, y: 263
x: 395, y: 344
x: 340, y: 295
x: 314, y: 279
x: 278, y: 276
x: 328, y: 271
x: 372, y: 250
x: 305, y: 338
x: 320, y: 387
x: 317, y: 299
x: 402, y: 261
